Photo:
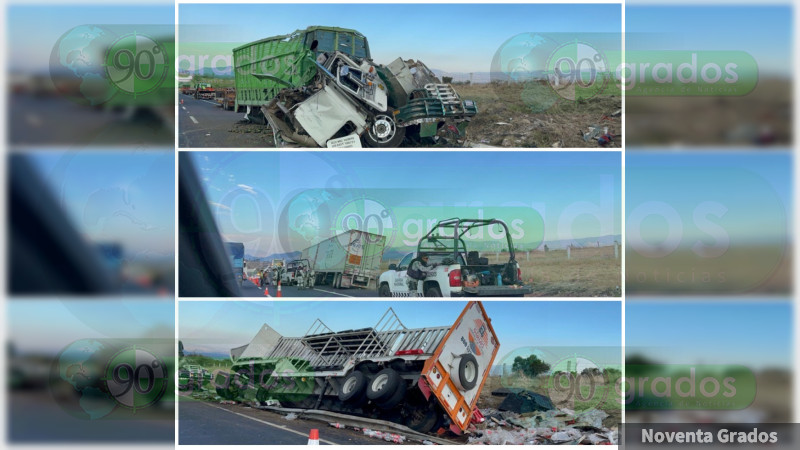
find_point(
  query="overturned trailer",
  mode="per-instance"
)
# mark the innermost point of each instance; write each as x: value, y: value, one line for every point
x: 425, y: 378
x: 320, y: 87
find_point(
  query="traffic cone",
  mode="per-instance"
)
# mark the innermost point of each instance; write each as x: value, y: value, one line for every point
x: 313, y: 435
x: 280, y: 295
x: 266, y: 291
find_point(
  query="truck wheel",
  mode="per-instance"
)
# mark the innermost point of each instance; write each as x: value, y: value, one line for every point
x: 353, y: 388
x: 384, y: 132
x: 465, y: 376
x: 396, y: 398
x: 422, y: 419
x: 384, y: 385
x: 384, y: 290
x: 433, y: 291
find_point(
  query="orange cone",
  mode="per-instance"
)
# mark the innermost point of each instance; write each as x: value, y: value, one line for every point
x: 313, y: 435
x: 280, y: 295
x: 266, y: 291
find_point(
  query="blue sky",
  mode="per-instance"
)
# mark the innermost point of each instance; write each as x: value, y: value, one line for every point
x: 765, y: 32
x: 592, y: 327
x: 33, y: 30
x: 452, y: 38
x: 47, y: 326
x: 756, y: 333
x: 249, y: 192
x: 116, y: 196
x: 756, y: 189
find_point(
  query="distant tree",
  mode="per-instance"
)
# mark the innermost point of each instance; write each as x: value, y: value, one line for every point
x: 447, y: 80
x: 591, y: 371
x: 530, y: 366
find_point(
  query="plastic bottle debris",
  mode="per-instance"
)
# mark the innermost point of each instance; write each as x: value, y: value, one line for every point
x: 593, y: 417
x: 336, y: 425
x: 394, y: 437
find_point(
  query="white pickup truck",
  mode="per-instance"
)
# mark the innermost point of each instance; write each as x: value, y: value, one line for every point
x: 452, y: 270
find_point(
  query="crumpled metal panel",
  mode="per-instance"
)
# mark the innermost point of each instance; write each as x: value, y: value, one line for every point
x: 325, y: 113
x: 262, y: 344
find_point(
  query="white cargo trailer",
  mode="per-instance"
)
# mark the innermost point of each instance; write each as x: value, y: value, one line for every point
x: 350, y: 259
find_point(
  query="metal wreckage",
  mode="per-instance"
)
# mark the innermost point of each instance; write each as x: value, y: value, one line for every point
x: 320, y: 87
x: 424, y: 378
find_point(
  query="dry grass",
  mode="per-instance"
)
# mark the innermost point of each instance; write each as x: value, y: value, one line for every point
x: 714, y: 120
x: 589, y: 273
x: 536, y: 116
x: 743, y: 269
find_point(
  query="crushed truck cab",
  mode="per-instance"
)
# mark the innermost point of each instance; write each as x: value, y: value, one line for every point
x: 453, y: 271
x: 319, y: 87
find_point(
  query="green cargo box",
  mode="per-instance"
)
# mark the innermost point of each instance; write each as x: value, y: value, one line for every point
x: 264, y: 67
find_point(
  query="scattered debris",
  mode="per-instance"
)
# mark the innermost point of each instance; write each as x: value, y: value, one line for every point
x: 521, y: 425
x: 291, y: 416
x: 388, y: 437
x: 523, y: 401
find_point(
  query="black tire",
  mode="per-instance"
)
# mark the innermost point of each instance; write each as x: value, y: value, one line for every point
x: 422, y: 419
x: 396, y: 398
x: 384, y: 132
x: 468, y: 371
x: 354, y: 388
x: 384, y: 290
x: 383, y: 385
x: 433, y: 291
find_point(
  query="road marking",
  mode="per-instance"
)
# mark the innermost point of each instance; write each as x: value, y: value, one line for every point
x: 209, y: 101
x: 331, y: 292
x: 193, y: 119
x: 184, y: 108
x: 282, y: 427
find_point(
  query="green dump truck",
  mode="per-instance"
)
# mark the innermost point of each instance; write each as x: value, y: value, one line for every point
x: 320, y: 87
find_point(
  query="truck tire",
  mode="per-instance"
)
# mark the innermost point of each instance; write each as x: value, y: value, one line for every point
x: 422, y: 419
x: 384, y: 132
x: 465, y: 375
x: 433, y: 291
x: 396, y: 398
x: 383, y: 385
x: 384, y: 290
x: 354, y: 388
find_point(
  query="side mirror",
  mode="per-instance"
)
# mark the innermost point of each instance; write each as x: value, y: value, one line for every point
x: 392, y: 266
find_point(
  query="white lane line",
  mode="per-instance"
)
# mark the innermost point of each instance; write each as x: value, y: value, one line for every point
x: 193, y: 119
x: 209, y: 101
x: 331, y: 292
x: 184, y: 108
x: 282, y: 427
